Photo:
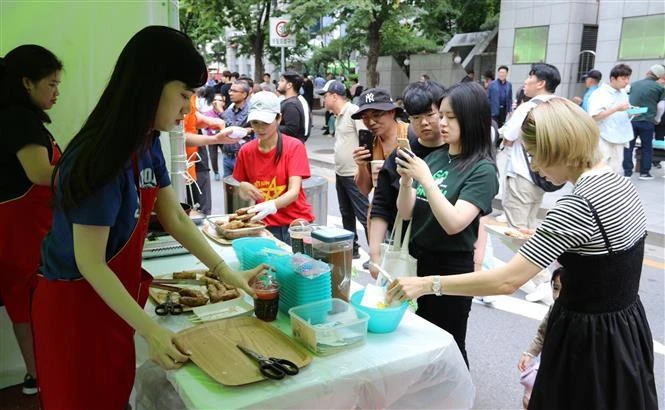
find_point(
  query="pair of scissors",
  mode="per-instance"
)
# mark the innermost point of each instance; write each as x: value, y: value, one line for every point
x: 272, y: 368
x: 169, y: 307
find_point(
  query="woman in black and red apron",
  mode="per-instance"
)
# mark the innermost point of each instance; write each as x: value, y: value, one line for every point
x: 90, y: 294
x: 30, y: 76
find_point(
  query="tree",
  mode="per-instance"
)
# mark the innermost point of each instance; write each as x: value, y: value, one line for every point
x: 203, y: 21
x: 366, y: 19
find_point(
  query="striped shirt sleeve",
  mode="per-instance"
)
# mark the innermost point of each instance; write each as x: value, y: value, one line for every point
x: 569, y: 224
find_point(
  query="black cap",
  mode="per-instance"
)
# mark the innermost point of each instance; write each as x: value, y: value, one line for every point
x: 375, y: 99
x: 595, y: 74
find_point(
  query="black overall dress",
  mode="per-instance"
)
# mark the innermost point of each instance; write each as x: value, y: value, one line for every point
x: 598, y: 349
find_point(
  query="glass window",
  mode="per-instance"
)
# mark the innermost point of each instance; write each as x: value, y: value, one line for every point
x: 642, y: 38
x: 530, y: 45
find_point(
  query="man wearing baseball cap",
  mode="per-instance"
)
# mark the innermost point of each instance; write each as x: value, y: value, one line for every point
x: 591, y: 81
x: 352, y: 203
x: 271, y: 168
x: 649, y: 93
x: 379, y: 114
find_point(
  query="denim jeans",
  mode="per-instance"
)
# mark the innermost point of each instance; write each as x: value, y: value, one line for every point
x: 352, y: 205
x: 281, y: 233
x: 644, y: 130
x: 229, y: 164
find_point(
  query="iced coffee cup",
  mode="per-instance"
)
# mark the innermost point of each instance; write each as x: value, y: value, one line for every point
x: 299, y: 231
x: 266, y: 301
x: 376, y: 166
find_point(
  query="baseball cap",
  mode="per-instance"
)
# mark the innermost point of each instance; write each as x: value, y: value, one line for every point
x: 333, y: 86
x: 595, y: 74
x: 375, y: 99
x: 658, y: 70
x: 264, y: 107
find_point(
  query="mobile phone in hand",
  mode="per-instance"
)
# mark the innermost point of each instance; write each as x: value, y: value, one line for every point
x: 403, y: 143
x: 365, y: 140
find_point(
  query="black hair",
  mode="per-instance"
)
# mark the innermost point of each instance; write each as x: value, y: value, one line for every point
x: 27, y: 61
x: 502, y: 67
x: 548, y: 73
x: 359, y: 90
x: 294, y: 78
x: 472, y: 108
x: 122, y: 122
x: 235, y: 75
x: 246, y: 80
x: 209, y: 94
x: 266, y: 74
x: 557, y: 273
x: 621, y: 70
x: 489, y: 74
x: 521, y: 97
x: 421, y: 95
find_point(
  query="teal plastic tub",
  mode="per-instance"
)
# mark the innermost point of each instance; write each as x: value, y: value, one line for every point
x: 250, y: 251
x: 380, y: 320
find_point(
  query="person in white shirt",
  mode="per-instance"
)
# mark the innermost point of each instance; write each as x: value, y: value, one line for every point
x: 522, y: 197
x: 353, y: 204
x: 608, y: 105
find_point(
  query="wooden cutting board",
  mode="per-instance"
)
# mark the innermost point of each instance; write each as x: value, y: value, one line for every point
x: 214, y: 350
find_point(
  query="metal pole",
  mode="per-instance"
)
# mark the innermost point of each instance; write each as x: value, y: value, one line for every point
x: 283, y: 64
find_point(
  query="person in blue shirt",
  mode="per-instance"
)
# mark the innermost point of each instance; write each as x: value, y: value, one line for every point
x: 91, y: 288
x: 591, y: 81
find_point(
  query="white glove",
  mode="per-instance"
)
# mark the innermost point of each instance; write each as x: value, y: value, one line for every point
x: 237, y: 132
x: 262, y: 210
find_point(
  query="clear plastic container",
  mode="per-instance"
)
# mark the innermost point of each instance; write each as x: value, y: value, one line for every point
x: 335, y: 246
x: 329, y: 326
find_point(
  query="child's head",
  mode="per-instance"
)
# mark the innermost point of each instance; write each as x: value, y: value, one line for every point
x: 556, y: 282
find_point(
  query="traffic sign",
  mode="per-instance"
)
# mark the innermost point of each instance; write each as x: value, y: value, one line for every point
x: 279, y: 37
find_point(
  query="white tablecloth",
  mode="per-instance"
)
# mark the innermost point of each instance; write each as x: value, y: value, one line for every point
x: 416, y: 366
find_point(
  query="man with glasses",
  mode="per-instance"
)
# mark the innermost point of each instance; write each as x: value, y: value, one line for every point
x: 234, y: 115
x: 421, y: 101
x: 352, y: 203
x: 379, y: 114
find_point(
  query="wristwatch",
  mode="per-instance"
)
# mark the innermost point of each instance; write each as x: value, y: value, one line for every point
x: 436, y: 285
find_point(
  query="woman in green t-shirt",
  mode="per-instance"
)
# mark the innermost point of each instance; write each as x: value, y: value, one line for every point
x: 445, y: 195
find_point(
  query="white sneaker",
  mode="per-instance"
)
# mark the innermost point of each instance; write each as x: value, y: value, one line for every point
x: 543, y: 291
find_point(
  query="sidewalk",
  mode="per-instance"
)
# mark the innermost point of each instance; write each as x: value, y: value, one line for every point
x: 320, y: 149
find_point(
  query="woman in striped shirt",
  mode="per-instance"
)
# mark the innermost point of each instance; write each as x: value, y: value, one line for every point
x: 598, y: 352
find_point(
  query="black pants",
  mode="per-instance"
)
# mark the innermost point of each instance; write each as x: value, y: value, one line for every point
x: 450, y: 313
x: 501, y: 119
x: 352, y: 205
x: 328, y: 115
x: 213, y: 150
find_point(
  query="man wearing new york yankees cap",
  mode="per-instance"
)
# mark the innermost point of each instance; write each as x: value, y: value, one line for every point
x: 352, y: 203
x: 379, y: 114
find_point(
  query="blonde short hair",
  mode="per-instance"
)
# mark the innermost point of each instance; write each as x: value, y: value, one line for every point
x: 558, y: 131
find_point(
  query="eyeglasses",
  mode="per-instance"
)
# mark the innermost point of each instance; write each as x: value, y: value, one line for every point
x: 432, y: 116
x: 372, y: 115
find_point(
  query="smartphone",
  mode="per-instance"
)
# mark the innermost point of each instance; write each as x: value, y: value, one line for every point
x: 365, y: 140
x: 403, y: 143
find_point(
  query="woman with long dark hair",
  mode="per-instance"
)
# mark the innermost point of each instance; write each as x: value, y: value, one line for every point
x: 271, y: 168
x: 30, y: 76
x: 90, y: 295
x: 453, y: 188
